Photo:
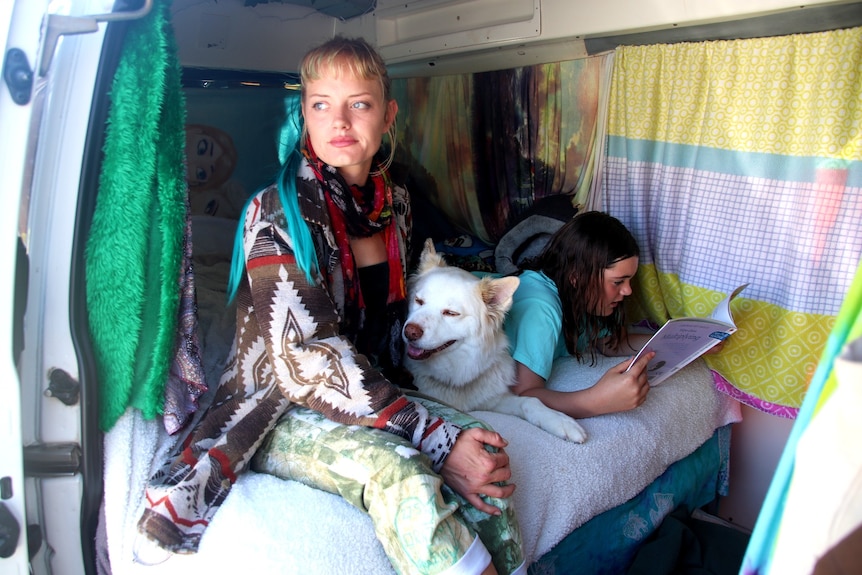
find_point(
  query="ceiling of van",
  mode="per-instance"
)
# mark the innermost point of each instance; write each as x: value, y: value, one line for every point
x: 344, y: 9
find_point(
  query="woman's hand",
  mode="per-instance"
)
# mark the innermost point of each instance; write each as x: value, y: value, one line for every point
x: 471, y: 470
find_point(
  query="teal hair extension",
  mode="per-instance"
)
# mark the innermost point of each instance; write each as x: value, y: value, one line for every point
x: 289, y: 138
x: 290, y: 156
x: 237, y: 260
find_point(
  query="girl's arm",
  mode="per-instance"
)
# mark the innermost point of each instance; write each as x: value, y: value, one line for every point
x: 617, y: 390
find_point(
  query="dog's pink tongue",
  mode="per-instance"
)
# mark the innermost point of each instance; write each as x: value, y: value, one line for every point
x: 417, y: 353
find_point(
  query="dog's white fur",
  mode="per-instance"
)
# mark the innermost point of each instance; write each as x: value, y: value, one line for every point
x: 457, y: 350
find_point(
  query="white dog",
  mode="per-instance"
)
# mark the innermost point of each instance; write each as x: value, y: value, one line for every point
x: 457, y: 350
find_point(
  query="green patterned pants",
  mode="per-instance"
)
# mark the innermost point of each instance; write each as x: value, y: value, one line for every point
x: 424, y: 526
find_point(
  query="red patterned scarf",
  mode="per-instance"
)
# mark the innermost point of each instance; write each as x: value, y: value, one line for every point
x: 358, y: 213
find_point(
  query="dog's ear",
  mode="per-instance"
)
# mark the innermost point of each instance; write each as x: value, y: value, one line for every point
x: 497, y: 293
x: 429, y: 258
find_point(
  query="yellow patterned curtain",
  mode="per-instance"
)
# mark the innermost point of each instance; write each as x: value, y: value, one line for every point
x: 741, y: 161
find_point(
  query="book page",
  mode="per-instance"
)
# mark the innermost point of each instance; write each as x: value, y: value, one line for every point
x: 679, y: 342
x: 722, y: 310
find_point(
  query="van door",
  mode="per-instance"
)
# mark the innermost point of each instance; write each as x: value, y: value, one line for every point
x: 56, y: 75
x: 20, y: 23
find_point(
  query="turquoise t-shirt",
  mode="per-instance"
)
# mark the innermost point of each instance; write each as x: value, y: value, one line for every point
x: 534, y: 325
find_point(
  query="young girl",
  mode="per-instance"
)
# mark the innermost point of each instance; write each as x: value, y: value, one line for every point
x: 569, y: 302
x: 319, y: 280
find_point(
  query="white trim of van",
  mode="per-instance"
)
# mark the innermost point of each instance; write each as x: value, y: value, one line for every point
x: 19, y: 28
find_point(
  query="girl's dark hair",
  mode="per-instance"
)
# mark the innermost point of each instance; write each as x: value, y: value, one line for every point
x: 575, y: 258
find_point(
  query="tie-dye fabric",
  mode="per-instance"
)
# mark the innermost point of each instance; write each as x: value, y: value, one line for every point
x: 492, y: 144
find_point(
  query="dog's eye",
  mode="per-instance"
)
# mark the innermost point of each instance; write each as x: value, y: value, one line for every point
x: 419, y: 301
x: 451, y: 313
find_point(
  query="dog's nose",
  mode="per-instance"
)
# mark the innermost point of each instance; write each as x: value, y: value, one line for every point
x: 412, y: 331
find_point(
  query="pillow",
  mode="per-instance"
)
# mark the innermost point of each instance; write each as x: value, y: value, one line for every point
x: 524, y: 241
x: 528, y: 237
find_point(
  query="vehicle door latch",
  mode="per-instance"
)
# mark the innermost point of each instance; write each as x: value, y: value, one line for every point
x: 63, y: 386
x: 18, y: 76
x: 10, y: 531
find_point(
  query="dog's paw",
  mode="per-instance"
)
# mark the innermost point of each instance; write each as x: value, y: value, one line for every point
x: 533, y: 410
x: 574, y: 431
x: 564, y: 427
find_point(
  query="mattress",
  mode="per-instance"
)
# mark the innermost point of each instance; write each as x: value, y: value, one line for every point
x: 634, y: 468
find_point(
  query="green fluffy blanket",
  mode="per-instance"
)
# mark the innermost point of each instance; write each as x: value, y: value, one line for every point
x: 134, y: 250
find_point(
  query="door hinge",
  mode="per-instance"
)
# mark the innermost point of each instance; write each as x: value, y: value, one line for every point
x: 52, y: 459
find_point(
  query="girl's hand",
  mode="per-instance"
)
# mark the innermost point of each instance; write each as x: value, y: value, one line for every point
x: 620, y: 390
x: 715, y: 349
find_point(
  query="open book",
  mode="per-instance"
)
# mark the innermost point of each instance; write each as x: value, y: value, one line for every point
x: 680, y: 341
